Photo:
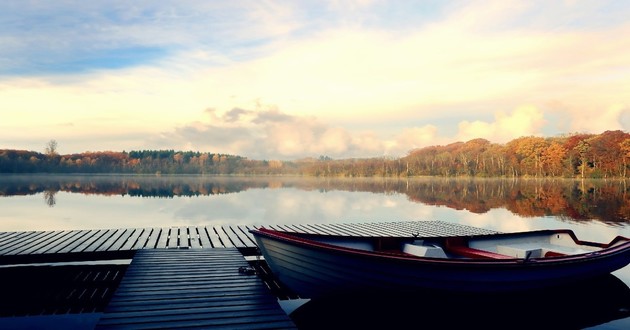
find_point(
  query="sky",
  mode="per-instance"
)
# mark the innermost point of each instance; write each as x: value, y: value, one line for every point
x: 293, y: 79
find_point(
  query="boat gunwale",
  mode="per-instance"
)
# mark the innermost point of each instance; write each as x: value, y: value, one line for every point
x: 302, y: 239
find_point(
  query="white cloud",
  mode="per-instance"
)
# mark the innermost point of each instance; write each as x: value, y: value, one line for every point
x: 413, y: 138
x: 347, y: 90
x: 600, y: 120
x: 524, y: 121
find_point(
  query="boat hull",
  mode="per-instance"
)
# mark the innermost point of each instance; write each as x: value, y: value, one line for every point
x: 315, y: 270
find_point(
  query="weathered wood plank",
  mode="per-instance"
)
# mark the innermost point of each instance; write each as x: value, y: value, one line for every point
x: 289, y: 228
x: 27, y: 239
x: 95, y: 244
x: 303, y: 228
x: 195, y: 241
x: 152, y: 240
x: 203, y: 238
x: 184, y: 238
x: 76, y: 243
x: 357, y: 229
x: 69, y: 241
x: 225, y: 240
x: 121, y: 240
x: 62, y: 240
x: 179, y: 303
x: 327, y: 230
x: 251, y: 241
x: 163, y: 239
x: 212, y: 235
x: 9, y: 237
x: 158, y: 292
x: 173, y: 241
x: 106, y: 245
x: 42, y: 243
x: 236, y: 241
x: 92, y: 240
x: 133, y: 239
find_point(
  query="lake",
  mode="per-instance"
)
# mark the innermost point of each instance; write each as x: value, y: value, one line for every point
x: 596, y: 210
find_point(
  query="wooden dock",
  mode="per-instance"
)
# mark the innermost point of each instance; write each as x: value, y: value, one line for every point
x: 72, y: 245
x: 184, y: 276
x: 170, y: 289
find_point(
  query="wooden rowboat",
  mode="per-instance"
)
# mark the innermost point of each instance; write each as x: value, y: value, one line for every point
x: 323, y: 265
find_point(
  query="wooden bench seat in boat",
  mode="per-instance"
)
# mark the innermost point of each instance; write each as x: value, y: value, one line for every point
x: 469, y: 252
x: 537, y: 250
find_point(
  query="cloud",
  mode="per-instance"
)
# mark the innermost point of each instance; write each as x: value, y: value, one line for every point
x: 600, y: 120
x: 413, y: 138
x: 382, y: 82
x: 268, y: 133
x: 524, y: 121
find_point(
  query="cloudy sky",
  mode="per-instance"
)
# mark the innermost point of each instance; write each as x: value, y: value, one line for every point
x: 291, y: 79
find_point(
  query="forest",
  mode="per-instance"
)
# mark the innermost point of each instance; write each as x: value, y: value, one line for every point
x: 580, y: 155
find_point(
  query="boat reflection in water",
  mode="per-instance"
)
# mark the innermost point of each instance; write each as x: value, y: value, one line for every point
x: 580, y: 305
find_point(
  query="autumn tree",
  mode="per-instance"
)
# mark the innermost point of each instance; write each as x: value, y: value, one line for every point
x: 553, y: 158
x: 625, y: 155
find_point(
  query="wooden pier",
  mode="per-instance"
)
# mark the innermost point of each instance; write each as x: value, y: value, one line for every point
x: 185, y: 276
x: 169, y: 289
x: 72, y: 245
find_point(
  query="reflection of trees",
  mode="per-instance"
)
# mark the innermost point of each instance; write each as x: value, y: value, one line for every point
x: 605, y: 200
x: 49, y: 197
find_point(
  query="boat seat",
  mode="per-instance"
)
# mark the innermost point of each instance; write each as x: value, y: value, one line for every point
x: 468, y: 252
x: 520, y: 252
x: 424, y: 251
x: 538, y: 250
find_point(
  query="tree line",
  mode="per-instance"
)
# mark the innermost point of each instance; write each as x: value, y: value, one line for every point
x: 604, y: 155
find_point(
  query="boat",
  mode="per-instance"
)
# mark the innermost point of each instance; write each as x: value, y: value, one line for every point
x: 315, y: 265
x: 578, y: 305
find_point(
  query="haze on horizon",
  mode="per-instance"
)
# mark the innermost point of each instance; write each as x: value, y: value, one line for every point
x: 286, y: 80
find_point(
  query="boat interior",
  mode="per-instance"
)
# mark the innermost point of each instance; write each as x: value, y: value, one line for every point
x: 546, y: 244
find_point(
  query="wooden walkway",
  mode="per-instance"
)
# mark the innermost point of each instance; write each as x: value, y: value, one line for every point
x: 37, y: 246
x: 202, y: 288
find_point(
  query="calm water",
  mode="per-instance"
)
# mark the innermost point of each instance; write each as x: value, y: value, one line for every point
x: 595, y: 210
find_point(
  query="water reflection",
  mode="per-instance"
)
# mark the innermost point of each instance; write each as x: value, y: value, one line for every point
x: 49, y: 197
x: 577, y: 306
x: 604, y: 200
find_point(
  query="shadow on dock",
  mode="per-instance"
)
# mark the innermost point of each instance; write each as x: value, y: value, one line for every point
x: 578, y: 306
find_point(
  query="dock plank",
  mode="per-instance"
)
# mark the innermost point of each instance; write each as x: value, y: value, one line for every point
x: 90, y: 241
x: 173, y: 241
x: 357, y: 229
x: 61, y: 240
x: 236, y: 241
x: 133, y: 239
x: 214, y: 238
x: 203, y: 238
x: 76, y: 238
x: 10, y: 237
x: 76, y: 243
x: 219, y: 295
x: 29, y: 238
x: 42, y: 244
x: 163, y: 239
x: 122, y: 240
x: 195, y: 241
x: 152, y: 240
x: 250, y: 240
x: 225, y: 240
x: 110, y: 242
